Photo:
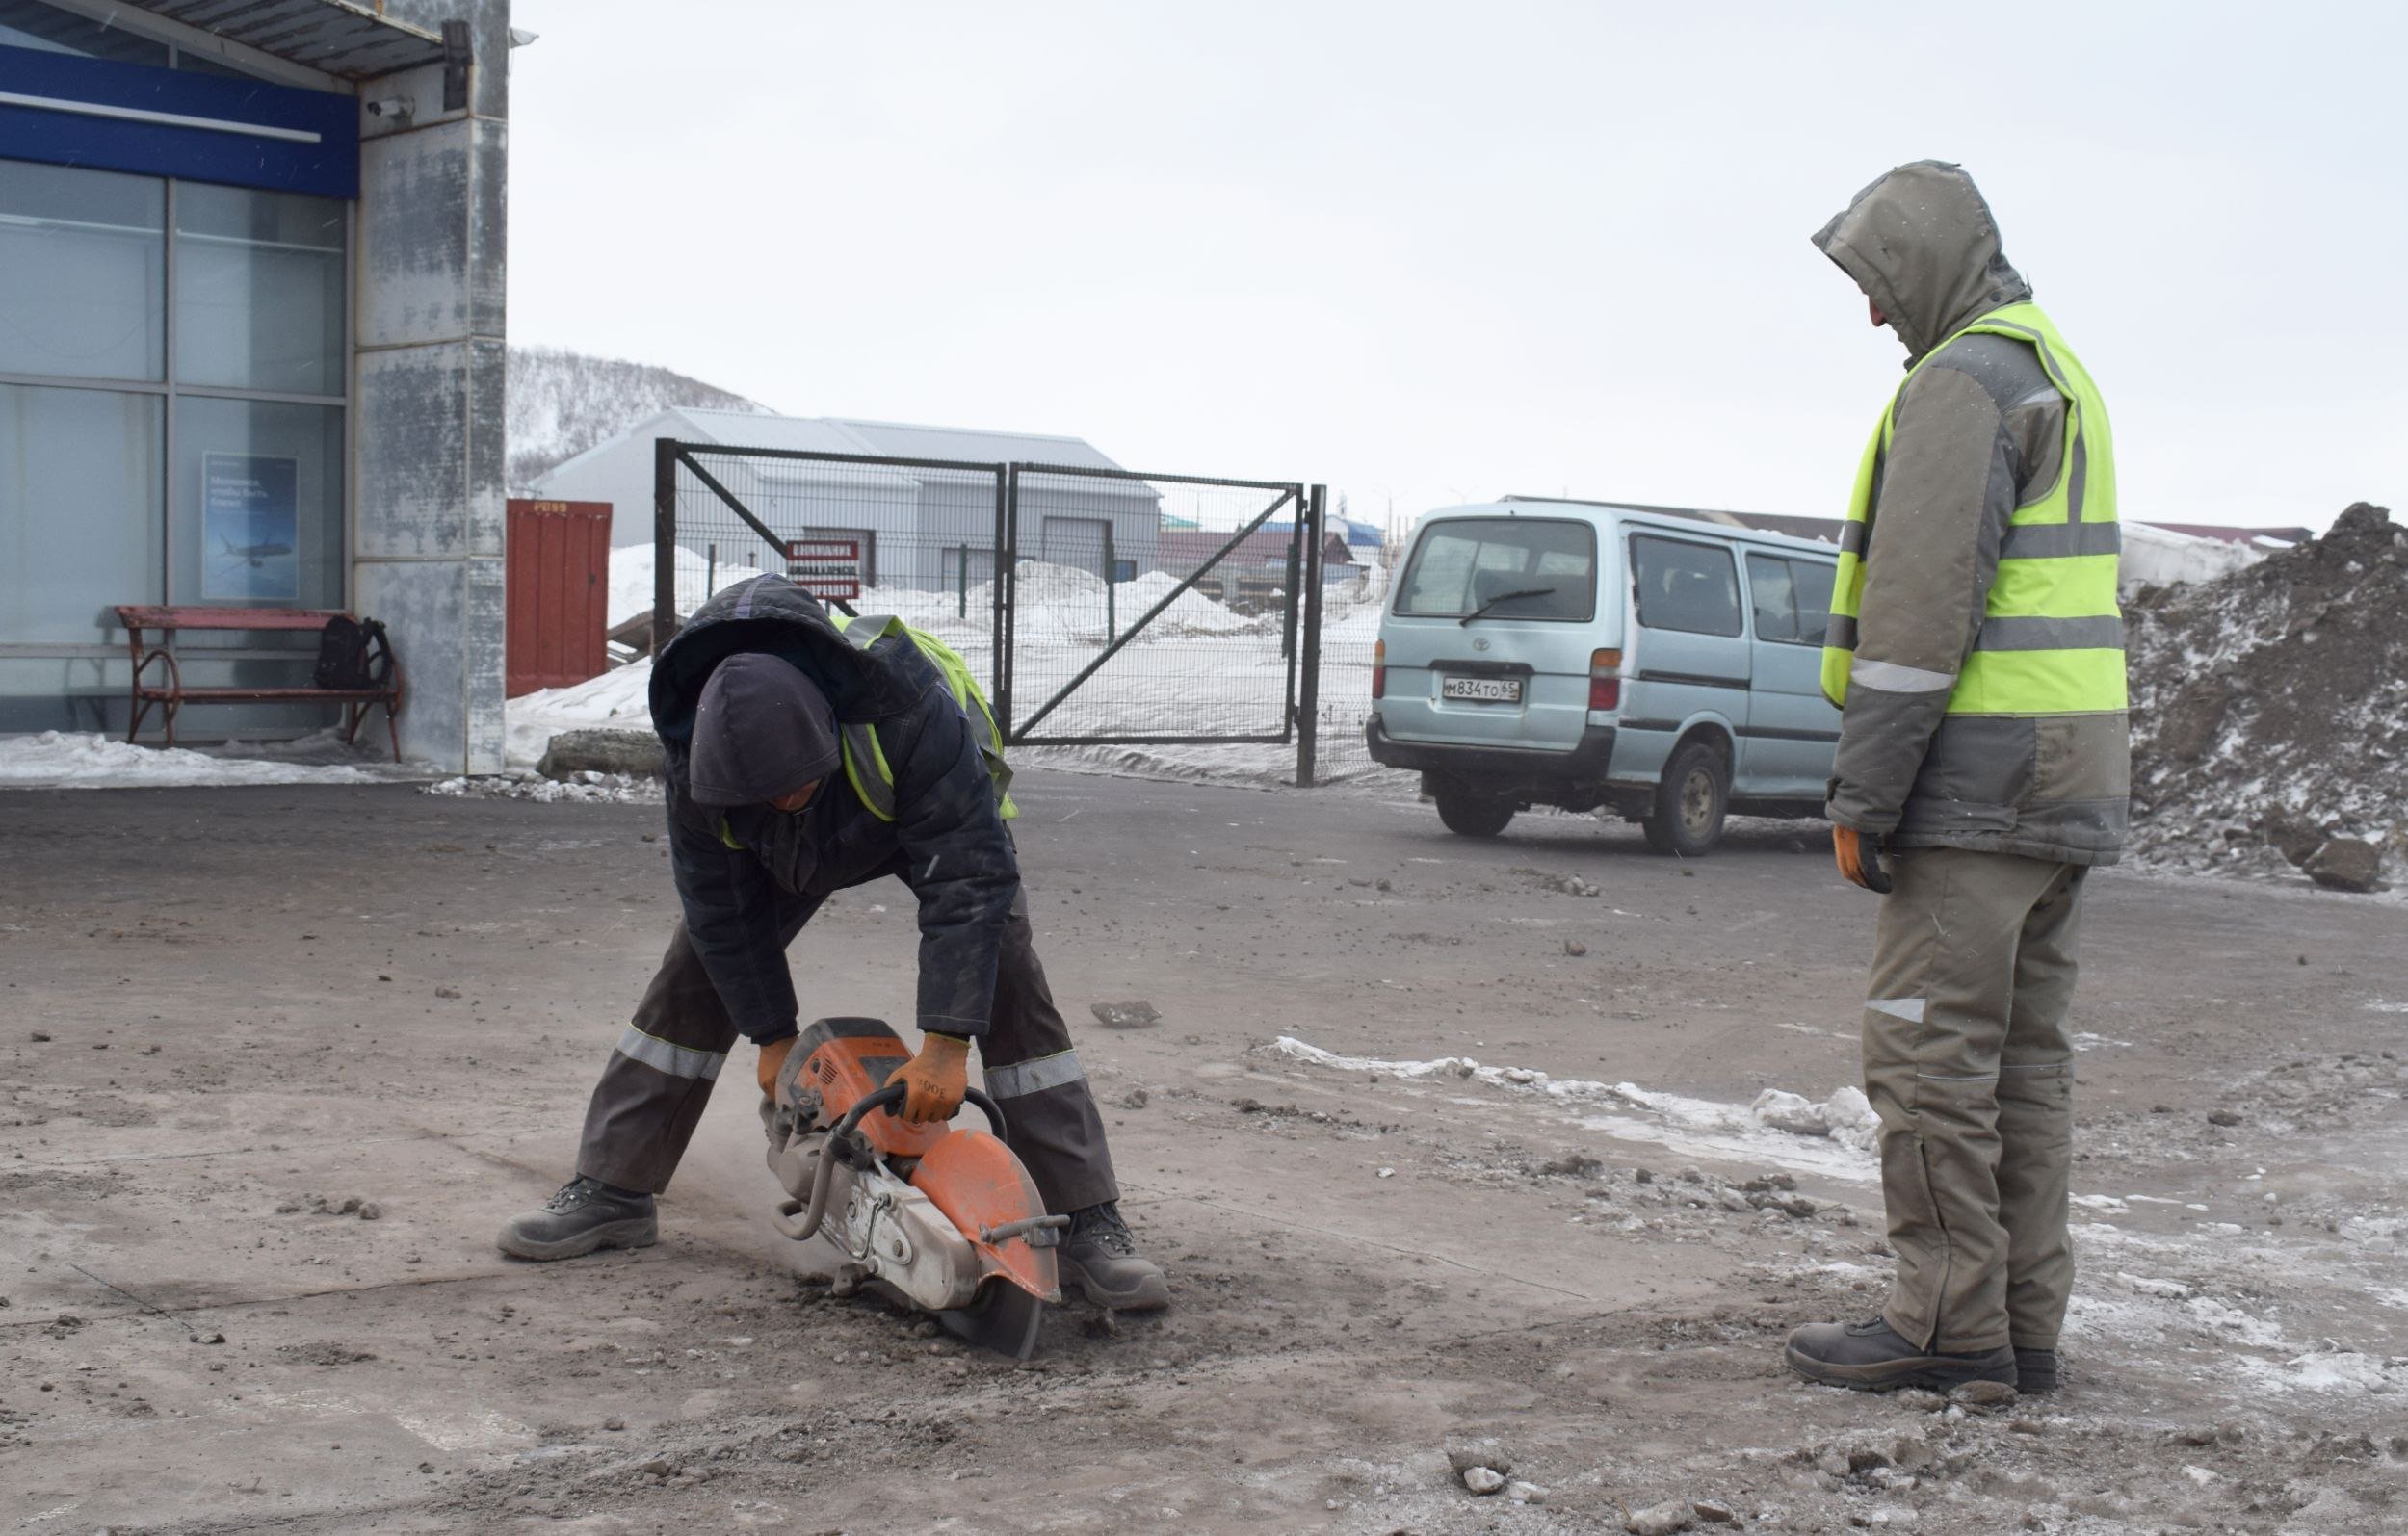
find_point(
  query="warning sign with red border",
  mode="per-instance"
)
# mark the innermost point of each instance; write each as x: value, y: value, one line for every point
x: 827, y: 568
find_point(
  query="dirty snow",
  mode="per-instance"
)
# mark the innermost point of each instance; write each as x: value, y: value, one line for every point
x: 1834, y: 1136
x: 63, y: 760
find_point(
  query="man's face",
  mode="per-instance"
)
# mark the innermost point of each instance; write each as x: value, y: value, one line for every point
x: 797, y: 799
x: 1874, y: 310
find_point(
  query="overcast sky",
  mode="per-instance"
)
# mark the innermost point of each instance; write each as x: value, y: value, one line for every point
x: 1439, y: 252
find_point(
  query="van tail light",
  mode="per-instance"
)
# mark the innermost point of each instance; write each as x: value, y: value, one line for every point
x: 1605, y: 680
x: 1379, y: 670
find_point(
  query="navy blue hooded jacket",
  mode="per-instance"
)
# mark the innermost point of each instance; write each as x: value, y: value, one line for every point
x: 947, y: 842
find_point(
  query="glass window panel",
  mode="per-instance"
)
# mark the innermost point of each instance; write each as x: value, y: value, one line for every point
x: 259, y: 503
x: 1773, y: 596
x: 85, y: 253
x: 79, y: 511
x: 1815, y: 580
x: 1515, y: 568
x: 258, y: 290
x: 1690, y: 587
x: 30, y: 24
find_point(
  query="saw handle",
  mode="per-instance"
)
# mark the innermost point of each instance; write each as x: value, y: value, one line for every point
x: 802, y: 1222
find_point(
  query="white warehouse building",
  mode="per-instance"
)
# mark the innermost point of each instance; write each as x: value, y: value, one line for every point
x: 923, y: 526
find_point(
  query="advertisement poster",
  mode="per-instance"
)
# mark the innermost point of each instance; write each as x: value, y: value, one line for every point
x: 251, y: 525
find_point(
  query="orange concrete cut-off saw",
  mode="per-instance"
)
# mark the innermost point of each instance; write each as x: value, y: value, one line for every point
x: 943, y: 1220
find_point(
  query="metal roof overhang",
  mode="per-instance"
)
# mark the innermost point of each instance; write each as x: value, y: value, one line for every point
x: 338, y: 37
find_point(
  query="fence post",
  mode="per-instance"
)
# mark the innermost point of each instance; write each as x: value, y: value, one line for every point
x: 961, y: 581
x: 664, y: 541
x: 1112, y: 589
x: 1309, y: 686
x: 1006, y: 580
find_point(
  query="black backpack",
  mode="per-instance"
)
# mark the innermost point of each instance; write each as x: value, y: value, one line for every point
x: 353, y: 654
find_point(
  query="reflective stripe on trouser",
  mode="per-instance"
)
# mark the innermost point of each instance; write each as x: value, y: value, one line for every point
x: 1968, y: 1063
x: 644, y: 1110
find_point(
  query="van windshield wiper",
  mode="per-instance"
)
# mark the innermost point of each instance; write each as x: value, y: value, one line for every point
x: 1465, y: 622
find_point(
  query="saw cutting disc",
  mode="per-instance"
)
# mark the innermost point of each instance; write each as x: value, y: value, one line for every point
x: 1004, y: 1319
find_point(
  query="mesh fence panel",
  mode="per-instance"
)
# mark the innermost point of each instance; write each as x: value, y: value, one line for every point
x: 1210, y: 679
x: 913, y: 539
x: 1098, y: 555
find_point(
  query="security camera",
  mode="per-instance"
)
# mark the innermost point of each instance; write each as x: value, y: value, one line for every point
x: 399, y: 107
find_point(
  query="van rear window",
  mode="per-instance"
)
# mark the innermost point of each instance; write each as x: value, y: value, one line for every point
x: 1512, y: 567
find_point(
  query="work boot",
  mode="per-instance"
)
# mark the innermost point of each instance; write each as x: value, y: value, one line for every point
x: 584, y: 1215
x: 1100, y: 1261
x: 2035, y: 1370
x: 1871, y: 1357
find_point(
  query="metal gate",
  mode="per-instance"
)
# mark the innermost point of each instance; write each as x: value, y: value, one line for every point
x: 1103, y: 608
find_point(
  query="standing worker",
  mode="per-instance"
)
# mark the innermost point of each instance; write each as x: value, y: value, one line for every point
x: 1977, y: 653
x: 803, y: 755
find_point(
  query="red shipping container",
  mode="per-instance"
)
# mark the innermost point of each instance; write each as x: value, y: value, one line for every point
x: 556, y: 589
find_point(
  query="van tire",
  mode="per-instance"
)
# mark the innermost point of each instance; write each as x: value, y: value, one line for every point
x: 1690, y: 802
x: 1470, y: 815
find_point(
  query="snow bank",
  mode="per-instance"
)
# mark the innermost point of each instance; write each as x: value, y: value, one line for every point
x: 2160, y: 557
x: 60, y: 759
x: 618, y: 698
x: 632, y: 570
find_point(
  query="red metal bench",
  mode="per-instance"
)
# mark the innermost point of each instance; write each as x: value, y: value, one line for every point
x: 171, y: 695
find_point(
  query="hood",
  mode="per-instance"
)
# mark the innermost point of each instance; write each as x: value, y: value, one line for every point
x: 771, y: 616
x: 1921, y: 244
x: 761, y: 730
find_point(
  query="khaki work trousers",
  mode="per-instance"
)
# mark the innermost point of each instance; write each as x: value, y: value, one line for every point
x: 1968, y: 1061
x: 650, y: 1098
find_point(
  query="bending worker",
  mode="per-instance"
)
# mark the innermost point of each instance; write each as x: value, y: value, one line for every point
x: 772, y: 809
x: 1975, y: 650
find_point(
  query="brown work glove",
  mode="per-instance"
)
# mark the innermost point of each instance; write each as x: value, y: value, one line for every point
x: 935, y: 1080
x: 1860, y: 859
x: 773, y: 1057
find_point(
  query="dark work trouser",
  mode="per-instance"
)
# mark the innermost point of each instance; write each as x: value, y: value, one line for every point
x: 1969, y: 1063
x: 651, y: 1095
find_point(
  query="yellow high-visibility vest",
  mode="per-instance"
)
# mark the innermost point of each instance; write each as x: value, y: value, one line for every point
x: 2051, y: 639
x: 865, y: 762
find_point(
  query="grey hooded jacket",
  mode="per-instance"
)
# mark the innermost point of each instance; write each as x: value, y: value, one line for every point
x: 1976, y: 433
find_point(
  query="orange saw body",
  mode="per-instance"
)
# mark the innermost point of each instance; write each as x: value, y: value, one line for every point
x: 944, y: 1220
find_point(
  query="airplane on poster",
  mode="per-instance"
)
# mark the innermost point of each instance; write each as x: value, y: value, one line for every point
x: 257, y: 553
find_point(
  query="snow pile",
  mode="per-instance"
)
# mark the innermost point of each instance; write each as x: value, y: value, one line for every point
x: 632, y: 569
x: 1847, y: 1117
x: 62, y: 760
x: 2270, y: 706
x: 1697, y: 1125
x: 2160, y: 557
x: 1064, y: 605
x: 618, y: 698
x: 587, y: 787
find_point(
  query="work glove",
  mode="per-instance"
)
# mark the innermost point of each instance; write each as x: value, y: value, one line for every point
x: 1860, y: 859
x: 772, y: 1058
x: 935, y: 1080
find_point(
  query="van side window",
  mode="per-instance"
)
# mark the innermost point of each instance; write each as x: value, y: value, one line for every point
x: 1812, y: 581
x: 1773, y: 596
x: 1693, y: 589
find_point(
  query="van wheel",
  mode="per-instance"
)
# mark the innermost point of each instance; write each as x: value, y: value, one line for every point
x: 1470, y: 815
x: 1689, y: 804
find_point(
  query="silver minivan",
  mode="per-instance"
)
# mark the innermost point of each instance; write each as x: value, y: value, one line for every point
x: 1604, y: 658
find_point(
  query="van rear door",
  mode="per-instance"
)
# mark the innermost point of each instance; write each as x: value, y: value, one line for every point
x: 1490, y: 635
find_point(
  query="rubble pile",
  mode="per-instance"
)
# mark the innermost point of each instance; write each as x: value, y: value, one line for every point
x: 2271, y: 712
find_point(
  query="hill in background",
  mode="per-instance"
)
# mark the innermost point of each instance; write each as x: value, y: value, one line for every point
x: 561, y: 403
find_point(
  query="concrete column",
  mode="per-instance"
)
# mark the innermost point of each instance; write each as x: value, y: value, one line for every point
x: 427, y: 359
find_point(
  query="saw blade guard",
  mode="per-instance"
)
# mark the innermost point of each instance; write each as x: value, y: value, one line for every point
x: 976, y: 1181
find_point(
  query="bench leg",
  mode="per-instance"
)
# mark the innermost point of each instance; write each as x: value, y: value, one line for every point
x: 138, y: 710
x: 352, y: 714
x: 168, y: 711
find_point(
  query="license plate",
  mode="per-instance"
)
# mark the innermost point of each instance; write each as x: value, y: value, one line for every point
x: 1483, y: 690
